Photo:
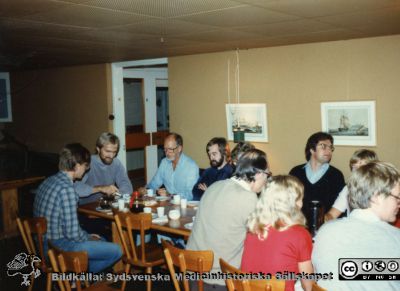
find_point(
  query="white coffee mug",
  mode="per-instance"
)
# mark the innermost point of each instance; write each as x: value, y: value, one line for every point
x: 174, y: 214
x: 177, y: 199
x: 150, y: 192
x: 160, y: 211
x: 183, y: 202
x: 121, y: 204
x: 147, y: 210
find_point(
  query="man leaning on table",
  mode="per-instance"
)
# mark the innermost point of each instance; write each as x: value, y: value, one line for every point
x: 177, y: 172
x: 107, y: 175
x: 220, y: 223
x: 374, y: 196
x: 57, y: 201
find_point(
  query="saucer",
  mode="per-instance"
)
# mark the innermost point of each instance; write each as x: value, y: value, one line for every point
x: 189, y: 225
x: 99, y: 209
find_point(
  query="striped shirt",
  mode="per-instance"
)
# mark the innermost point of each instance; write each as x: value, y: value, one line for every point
x: 57, y: 201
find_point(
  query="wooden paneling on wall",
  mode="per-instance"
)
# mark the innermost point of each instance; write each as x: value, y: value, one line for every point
x: 56, y: 106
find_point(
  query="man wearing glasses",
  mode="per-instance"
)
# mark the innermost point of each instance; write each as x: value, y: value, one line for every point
x: 177, y: 172
x: 322, y: 182
x: 374, y: 196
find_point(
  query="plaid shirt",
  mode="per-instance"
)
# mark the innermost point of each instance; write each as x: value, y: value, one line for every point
x: 57, y: 200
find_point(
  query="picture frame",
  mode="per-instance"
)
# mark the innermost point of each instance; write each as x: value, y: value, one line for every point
x: 250, y: 118
x: 351, y: 123
x: 5, y: 98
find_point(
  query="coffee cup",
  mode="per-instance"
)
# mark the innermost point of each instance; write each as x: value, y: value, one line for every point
x: 150, y: 192
x: 147, y: 209
x: 121, y: 204
x: 183, y: 203
x: 174, y: 214
x: 176, y: 199
x: 160, y: 211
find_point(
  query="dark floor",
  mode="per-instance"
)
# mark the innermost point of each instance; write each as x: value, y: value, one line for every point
x: 10, y: 247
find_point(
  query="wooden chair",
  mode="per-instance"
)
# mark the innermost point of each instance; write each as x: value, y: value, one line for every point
x: 187, y: 260
x: 35, y: 226
x: 143, y: 256
x: 73, y: 262
x: 315, y: 287
x: 249, y: 285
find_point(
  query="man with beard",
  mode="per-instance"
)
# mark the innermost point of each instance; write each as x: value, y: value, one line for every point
x: 322, y: 182
x: 218, y: 153
x: 177, y: 172
x: 107, y: 175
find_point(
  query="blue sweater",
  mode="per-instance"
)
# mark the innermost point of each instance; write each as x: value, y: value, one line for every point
x: 210, y: 176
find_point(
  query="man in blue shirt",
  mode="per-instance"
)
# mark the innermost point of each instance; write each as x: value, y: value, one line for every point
x: 177, y: 172
x: 107, y: 175
x: 57, y: 201
x: 218, y: 153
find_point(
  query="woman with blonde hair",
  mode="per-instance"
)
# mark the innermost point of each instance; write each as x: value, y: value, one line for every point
x: 277, y: 240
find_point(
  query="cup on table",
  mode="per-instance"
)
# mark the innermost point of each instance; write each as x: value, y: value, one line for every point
x: 150, y: 192
x: 126, y: 197
x: 176, y: 199
x: 183, y: 202
x: 160, y: 211
x: 174, y: 214
x: 147, y: 209
x: 121, y: 204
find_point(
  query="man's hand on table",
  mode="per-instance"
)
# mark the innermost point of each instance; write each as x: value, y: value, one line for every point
x: 109, y: 190
x: 142, y: 190
x: 202, y: 186
x: 94, y: 236
x: 162, y: 192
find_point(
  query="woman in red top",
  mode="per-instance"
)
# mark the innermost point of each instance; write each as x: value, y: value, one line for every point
x: 277, y: 240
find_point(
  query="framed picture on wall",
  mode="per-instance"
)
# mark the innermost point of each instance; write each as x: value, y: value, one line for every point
x: 350, y: 123
x: 5, y: 98
x: 248, y: 118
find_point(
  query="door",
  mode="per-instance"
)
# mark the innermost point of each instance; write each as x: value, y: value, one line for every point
x: 141, y: 126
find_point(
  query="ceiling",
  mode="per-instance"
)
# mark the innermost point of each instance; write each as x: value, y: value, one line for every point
x: 49, y: 33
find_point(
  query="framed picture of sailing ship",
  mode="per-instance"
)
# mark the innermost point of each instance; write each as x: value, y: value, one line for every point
x: 350, y: 122
x: 250, y: 118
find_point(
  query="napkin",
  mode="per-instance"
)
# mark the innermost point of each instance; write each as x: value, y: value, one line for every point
x: 162, y: 219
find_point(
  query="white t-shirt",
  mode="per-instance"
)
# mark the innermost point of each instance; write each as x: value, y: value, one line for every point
x: 341, y: 202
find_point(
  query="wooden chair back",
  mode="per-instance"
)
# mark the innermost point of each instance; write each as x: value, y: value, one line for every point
x: 249, y: 285
x: 187, y: 260
x: 68, y: 262
x: 37, y: 226
x: 315, y: 287
x: 127, y: 224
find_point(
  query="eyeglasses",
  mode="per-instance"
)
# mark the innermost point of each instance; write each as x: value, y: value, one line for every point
x: 397, y: 197
x: 170, y: 149
x: 325, y: 146
x: 268, y: 173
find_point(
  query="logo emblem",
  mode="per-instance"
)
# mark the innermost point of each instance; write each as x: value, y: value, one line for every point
x: 349, y: 269
x: 24, y: 265
x: 380, y: 266
x: 367, y: 266
x: 393, y: 266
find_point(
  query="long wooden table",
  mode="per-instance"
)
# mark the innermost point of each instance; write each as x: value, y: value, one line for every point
x: 172, y: 226
x: 176, y: 227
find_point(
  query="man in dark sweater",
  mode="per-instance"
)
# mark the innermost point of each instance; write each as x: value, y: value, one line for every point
x: 218, y: 152
x: 322, y: 182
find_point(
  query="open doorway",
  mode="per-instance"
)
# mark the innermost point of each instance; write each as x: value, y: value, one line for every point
x: 141, y: 110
